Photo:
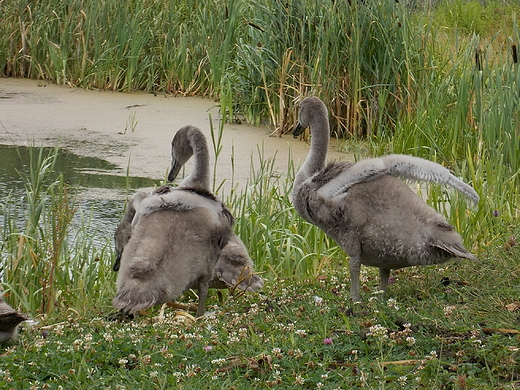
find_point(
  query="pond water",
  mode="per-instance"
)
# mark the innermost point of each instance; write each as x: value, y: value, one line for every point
x: 99, y: 193
x: 103, y: 135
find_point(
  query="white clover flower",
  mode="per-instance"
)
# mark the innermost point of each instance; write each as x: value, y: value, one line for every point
x: 277, y: 352
x: 154, y: 374
x: 432, y: 355
x: 301, y: 333
x: 122, y: 362
x: 410, y: 341
x: 253, y: 308
x: 402, y: 380
x: 377, y: 331
x: 299, y: 380
x: 392, y: 303
x: 448, y: 310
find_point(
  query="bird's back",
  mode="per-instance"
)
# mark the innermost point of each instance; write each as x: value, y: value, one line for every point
x: 169, y: 251
x: 384, y: 222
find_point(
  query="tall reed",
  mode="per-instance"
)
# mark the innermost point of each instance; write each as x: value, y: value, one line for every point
x: 42, y: 266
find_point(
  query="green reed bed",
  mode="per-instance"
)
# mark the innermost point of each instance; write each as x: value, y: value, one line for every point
x: 44, y: 266
x: 431, y: 84
x: 362, y: 58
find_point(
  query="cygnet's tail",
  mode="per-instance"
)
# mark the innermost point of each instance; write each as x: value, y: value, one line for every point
x: 132, y: 299
x: 418, y: 169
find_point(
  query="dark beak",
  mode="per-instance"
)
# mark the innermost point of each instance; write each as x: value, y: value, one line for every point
x: 298, y: 129
x: 117, y: 263
x: 174, y: 170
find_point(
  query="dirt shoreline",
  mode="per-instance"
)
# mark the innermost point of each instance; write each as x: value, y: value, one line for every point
x: 92, y: 123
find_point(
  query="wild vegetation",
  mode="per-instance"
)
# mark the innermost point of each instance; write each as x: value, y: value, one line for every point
x: 437, y: 79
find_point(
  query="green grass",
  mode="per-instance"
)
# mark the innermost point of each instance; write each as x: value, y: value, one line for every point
x: 460, y: 336
x: 394, y: 82
x: 301, y: 329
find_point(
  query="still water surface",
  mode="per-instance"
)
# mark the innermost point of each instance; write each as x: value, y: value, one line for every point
x: 100, y: 193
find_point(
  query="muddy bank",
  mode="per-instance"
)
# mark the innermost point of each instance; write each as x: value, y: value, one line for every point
x: 133, y: 130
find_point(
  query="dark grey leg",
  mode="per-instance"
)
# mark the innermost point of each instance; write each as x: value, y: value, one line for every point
x: 203, y: 295
x: 355, y: 270
x: 384, y: 275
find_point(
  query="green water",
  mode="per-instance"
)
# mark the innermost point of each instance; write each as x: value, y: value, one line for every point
x: 100, y: 192
x: 78, y: 171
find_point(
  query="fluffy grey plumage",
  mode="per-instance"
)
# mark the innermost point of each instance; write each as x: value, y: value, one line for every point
x: 124, y: 228
x: 234, y: 268
x: 376, y: 218
x: 9, y: 320
x: 176, y: 236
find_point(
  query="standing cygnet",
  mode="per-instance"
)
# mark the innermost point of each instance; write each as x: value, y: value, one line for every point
x: 9, y: 320
x: 176, y: 236
x: 376, y: 218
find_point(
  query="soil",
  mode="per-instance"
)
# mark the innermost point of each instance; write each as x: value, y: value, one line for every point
x: 134, y: 130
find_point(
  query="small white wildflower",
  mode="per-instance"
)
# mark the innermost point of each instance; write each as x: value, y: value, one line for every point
x: 377, y: 331
x: 402, y: 380
x: 154, y: 374
x: 432, y: 355
x: 392, y: 303
x: 448, y: 310
x: 301, y: 333
x: 277, y: 352
x: 253, y: 309
x: 410, y: 341
x: 122, y: 362
x: 299, y: 380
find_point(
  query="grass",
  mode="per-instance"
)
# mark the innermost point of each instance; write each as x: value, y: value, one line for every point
x: 444, y: 87
x: 440, y: 327
x: 296, y: 333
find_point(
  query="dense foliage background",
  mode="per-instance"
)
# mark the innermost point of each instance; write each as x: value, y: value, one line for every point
x: 434, y: 78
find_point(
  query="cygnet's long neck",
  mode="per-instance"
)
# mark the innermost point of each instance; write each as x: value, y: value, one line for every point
x: 199, y: 177
x: 317, y: 157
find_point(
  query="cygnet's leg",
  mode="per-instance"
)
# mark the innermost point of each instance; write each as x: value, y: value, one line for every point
x: 384, y: 276
x: 203, y: 295
x: 355, y: 270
